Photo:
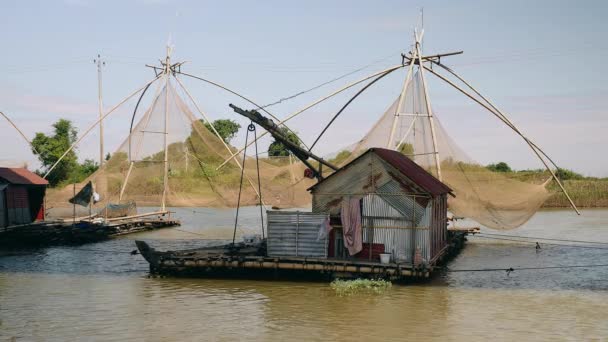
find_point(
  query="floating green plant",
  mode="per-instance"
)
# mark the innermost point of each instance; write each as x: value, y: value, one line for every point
x: 349, y: 287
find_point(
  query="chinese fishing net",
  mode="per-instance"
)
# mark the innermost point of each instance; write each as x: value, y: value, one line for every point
x: 490, y: 198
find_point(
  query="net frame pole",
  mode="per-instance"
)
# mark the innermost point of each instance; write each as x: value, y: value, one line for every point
x: 502, y: 117
x: 96, y: 123
x: 206, y: 118
x: 532, y: 146
x: 131, y: 161
x: 402, y: 95
x: 166, y: 131
x: 291, y: 116
x: 19, y: 131
x: 429, y: 109
x: 259, y: 107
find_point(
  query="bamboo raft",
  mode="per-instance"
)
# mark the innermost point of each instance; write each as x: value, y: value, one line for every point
x: 46, y: 233
x: 251, y: 262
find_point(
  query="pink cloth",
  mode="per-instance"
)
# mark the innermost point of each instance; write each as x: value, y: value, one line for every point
x: 351, y: 225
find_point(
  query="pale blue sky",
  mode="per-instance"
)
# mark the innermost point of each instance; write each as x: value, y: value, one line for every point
x: 540, y: 61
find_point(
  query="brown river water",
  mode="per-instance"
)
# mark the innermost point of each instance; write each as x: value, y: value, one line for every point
x: 99, y: 292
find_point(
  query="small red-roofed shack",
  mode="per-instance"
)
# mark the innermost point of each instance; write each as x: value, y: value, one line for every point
x: 21, y: 196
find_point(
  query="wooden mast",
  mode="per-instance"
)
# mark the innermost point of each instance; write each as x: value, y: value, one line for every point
x: 429, y: 109
x: 166, y: 128
x: 408, y: 77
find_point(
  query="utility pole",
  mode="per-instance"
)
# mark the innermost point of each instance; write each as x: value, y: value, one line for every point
x: 167, y: 72
x: 100, y: 63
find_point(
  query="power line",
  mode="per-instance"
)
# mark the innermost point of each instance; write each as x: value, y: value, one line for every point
x: 326, y: 82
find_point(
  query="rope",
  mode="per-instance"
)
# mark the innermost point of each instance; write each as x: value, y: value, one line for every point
x: 548, y: 239
x: 238, y: 202
x: 545, y: 243
x: 257, y: 165
x: 346, y: 105
x: 512, y: 269
x: 324, y: 83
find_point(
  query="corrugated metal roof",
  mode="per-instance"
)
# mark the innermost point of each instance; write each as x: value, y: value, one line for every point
x: 405, y: 166
x: 413, y: 171
x: 21, y: 176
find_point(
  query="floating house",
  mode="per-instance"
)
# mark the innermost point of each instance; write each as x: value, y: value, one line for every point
x: 381, y: 215
x: 21, y: 196
x: 380, y: 203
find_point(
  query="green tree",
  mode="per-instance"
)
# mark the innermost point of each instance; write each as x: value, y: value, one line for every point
x: 226, y: 128
x: 499, y: 167
x: 406, y: 149
x: 277, y: 149
x: 51, y: 147
x: 565, y: 174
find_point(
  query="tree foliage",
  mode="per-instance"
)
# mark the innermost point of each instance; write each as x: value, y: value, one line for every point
x: 226, y: 128
x: 499, y: 167
x: 406, y: 149
x: 565, y: 174
x: 277, y: 149
x: 51, y: 147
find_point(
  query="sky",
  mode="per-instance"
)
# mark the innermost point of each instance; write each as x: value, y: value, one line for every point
x: 541, y: 62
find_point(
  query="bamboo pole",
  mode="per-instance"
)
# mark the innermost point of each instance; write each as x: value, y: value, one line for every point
x: 314, y: 104
x: 242, y: 97
x: 206, y: 118
x: 166, y: 131
x: 95, y: 124
x: 19, y: 131
x: 429, y: 109
x: 503, y: 117
x: 532, y: 146
x: 401, y: 99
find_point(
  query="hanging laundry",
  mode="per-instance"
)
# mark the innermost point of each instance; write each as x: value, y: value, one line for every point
x: 351, y: 224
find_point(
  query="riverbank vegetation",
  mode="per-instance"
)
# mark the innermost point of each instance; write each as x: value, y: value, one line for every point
x: 49, y: 148
x: 590, y: 192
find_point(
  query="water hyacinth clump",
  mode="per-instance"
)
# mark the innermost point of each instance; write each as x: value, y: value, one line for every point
x: 349, y: 287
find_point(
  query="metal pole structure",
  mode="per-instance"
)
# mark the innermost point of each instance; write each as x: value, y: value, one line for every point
x: 429, y: 110
x: 165, y: 140
x: 533, y: 147
x: 291, y: 116
x: 100, y: 63
x: 95, y: 124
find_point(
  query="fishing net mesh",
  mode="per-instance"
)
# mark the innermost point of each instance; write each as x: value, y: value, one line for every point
x: 135, y: 171
x: 490, y: 198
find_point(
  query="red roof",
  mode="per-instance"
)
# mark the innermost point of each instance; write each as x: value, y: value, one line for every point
x: 20, y: 175
x: 407, y: 167
x: 413, y: 171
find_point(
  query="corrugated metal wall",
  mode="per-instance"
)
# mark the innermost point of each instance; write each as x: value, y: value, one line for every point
x: 296, y: 233
x: 399, y: 234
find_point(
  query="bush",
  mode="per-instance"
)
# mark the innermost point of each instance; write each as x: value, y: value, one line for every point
x: 499, y: 167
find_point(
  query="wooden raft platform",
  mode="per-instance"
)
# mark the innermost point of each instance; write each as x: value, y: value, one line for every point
x: 222, y: 262
x: 81, y: 232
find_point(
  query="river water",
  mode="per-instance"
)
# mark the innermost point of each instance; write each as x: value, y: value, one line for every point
x: 99, y: 292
